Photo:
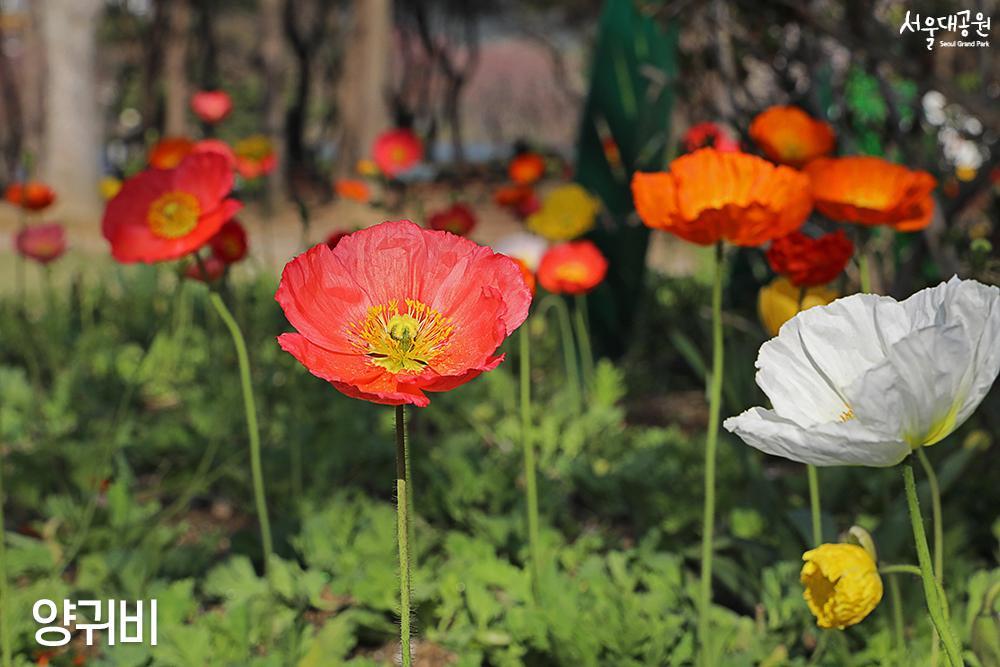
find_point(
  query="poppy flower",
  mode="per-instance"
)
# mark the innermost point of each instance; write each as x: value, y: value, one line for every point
x: 396, y: 310
x: 791, y: 136
x: 710, y: 135
x: 352, y: 188
x: 230, y: 243
x: 255, y: 156
x: 42, y: 243
x: 527, y: 274
x: 780, y: 301
x: 31, y: 196
x: 334, y: 238
x: 567, y: 212
x: 710, y: 196
x: 109, y: 186
x: 526, y: 168
x: 211, y: 106
x: 572, y: 268
x: 521, y: 200
x: 808, y: 261
x: 457, y: 219
x: 168, y: 152
x: 396, y: 151
x: 523, y: 246
x: 872, y: 191
x: 208, y: 270
x: 218, y: 147
x: 366, y: 167
x: 162, y: 214
x: 842, y: 584
x: 867, y: 379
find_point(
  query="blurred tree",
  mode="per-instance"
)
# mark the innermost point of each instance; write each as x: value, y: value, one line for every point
x: 307, y: 27
x: 175, y: 80
x: 272, y: 61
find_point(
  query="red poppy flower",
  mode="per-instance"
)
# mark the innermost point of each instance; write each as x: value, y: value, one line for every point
x: 576, y: 267
x: 791, y: 136
x: 354, y: 189
x: 710, y: 135
x: 336, y: 237
x: 526, y: 168
x: 807, y: 261
x: 709, y: 196
x: 161, y: 215
x: 254, y: 156
x: 457, y: 219
x: 31, y: 196
x: 211, y: 106
x: 218, y: 147
x: 167, y: 153
x: 396, y: 151
x: 396, y: 310
x: 521, y: 200
x: 208, y: 270
x: 230, y: 243
x: 42, y: 243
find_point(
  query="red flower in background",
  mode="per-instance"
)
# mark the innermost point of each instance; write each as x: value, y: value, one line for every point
x: 218, y: 147
x: 354, y: 189
x: 457, y: 219
x: 168, y: 152
x: 31, y: 196
x: 208, y: 270
x: 808, y: 262
x: 161, y: 215
x: 526, y: 168
x: 528, y: 275
x: 230, y: 243
x: 42, y: 243
x: 396, y: 151
x: 255, y: 156
x: 710, y: 135
x: 396, y: 310
x: 336, y: 237
x: 211, y: 106
x: 521, y: 200
x: 576, y: 267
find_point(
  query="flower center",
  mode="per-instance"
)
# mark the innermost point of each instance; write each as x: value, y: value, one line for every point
x: 573, y: 272
x: 398, y: 154
x: 847, y: 415
x: 173, y: 215
x: 402, y: 340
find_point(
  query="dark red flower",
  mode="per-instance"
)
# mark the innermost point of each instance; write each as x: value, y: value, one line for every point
x: 161, y: 215
x: 576, y: 267
x: 208, y: 270
x: 710, y: 135
x: 808, y: 262
x: 211, y: 106
x: 520, y: 200
x: 31, y: 196
x: 42, y: 243
x: 396, y: 151
x: 457, y: 219
x: 396, y: 310
x: 230, y: 243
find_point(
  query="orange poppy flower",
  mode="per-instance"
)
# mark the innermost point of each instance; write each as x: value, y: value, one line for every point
x: 396, y: 310
x: 527, y: 274
x: 42, y: 243
x: 457, y: 219
x: 168, y: 152
x: 872, y: 191
x: 807, y: 261
x: 791, y: 136
x: 31, y: 196
x: 396, y: 151
x: 211, y: 106
x: 352, y: 188
x: 576, y: 267
x: 526, y: 168
x: 230, y: 243
x: 709, y: 196
x: 164, y: 214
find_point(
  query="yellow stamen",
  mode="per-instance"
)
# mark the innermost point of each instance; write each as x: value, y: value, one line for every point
x: 406, y: 340
x: 847, y: 415
x: 173, y: 215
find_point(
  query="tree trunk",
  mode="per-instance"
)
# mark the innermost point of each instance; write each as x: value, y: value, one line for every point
x: 72, y: 152
x: 272, y: 59
x: 175, y: 69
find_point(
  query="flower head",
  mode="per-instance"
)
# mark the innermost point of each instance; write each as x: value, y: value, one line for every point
x: 566, y: 213
x: 168, y: 152
x: 523, y: 246
x: 521, y: 200
x: 255, y: 156
x: 457, y: 219
x: 526, y: 168
x: 208, y: 270
x: 872, y: 191
x: 867, y: 379
x: 395, y: 311
x: 42, y: 243
x: 354, y: 189
x: 336, y: 237
x: 778, y: 302
x: 528, y: 275
x: 164, y: 214
x: 31, y: 196
x: 808, y: 261
x: 396, y: 151
x: 230, y: 243
x: 218, y: 147
x: 710, y: 135
x: 572, y: 268
x: 211, y: 106
x: 842, y: 584
x: 708, y: 196
x: 791, y: 136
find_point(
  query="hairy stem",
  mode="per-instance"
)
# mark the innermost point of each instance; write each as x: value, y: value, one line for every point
x: 528, y: 443
x: 403, y: 536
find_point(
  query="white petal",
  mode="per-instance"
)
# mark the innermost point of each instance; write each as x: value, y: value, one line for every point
x: 526, y: 247
x: 836, y: 443
x: 807, y: 368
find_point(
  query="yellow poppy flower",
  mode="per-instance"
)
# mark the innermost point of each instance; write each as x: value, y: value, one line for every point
x: 109, y: 187
x: 567, y: 213
x: 842, y: 584
x: 779, y: 302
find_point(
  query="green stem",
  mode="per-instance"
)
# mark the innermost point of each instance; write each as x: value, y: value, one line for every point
x: 931, y: 590
x: 814, y: 506
x: 896, y: 603
x: 528, y: 443
x: 938, y: 533
x: 250, y: 408
x: 864, y: 271
x: 403, y: 536
x: 583, y: 337
x: 5, y: 645
x: 556, y: 303
x: 900, y: 569
x: 711, y: 440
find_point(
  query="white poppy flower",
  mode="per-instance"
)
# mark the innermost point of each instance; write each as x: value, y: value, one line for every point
x: 526, y: 247
x: 867, y: 379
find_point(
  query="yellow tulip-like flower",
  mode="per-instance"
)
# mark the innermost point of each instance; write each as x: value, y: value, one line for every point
x: 109, y: 187
x: 567, y: 213
x: 779, y: 302
x: 842, y: 585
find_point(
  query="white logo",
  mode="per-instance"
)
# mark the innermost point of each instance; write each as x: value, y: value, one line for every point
x: 46, y: 611
x: 960, y: 23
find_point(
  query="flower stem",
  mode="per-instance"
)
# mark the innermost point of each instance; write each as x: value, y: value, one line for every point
x: 711, y: 440
x: 931, y: 590
x: 556, y: 303
x: 250, y: 408
x: 814, y: 506
x: 938, y: 532
x: 583, y: 337
x: 528, y: 443
x: 403, y: 536
x: 864, y: 271
x: 900, y: 569
x: 897, y: 619
x: 4, y: 597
